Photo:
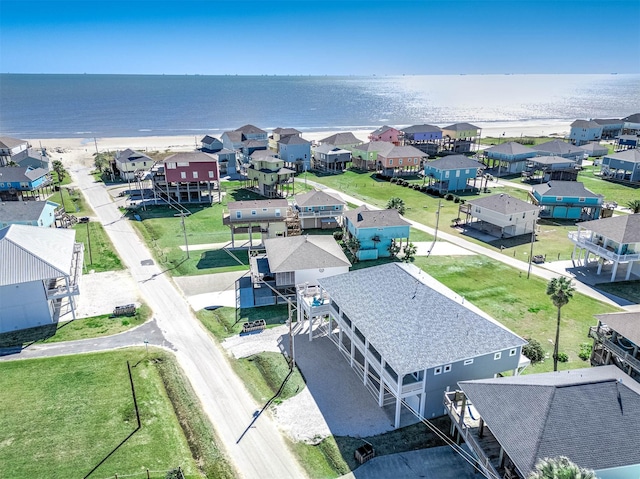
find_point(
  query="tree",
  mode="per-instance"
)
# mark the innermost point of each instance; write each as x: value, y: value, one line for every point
x: 634, y: 206
x: 101, y: 162
x: 58, y: 167
x: 397, y: 204
x: 394, y: 248
x: 410, y: 253
x: 560, y: 290
x: 560, y: 468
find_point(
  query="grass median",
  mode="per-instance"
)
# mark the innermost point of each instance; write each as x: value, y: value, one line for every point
x: 101, y: 255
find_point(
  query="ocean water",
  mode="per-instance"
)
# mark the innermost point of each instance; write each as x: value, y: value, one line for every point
x: 59, y: 106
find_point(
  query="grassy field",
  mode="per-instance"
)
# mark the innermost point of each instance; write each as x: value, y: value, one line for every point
x: 103, y: 256
x: 223, y: 323
x: 74, y: 202
x: 519, y: 303
x: 528, y: 141
x: 65, y: 422
x: 95, y: 327
x: 618, y: 192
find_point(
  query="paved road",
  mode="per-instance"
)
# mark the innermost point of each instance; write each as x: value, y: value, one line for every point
x: 262, y: 452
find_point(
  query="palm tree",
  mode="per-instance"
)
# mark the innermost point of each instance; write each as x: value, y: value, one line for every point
x: 410, y: 252
x: 634, y: 206
x: 58, y: 167
x: 560, y: 468
x: 396, y: 203
x: 561, y: 291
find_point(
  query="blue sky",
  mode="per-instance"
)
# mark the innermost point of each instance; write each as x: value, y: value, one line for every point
x: 320, y: 37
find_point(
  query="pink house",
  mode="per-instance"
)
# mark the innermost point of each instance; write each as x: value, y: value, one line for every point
x: 191, y: 177
x: 386, y: 133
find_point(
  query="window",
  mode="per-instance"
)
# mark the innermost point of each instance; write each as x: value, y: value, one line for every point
x: 513, y: 352
x: 211, y: 174
x: 497, y: 356
x: 133, y: 164
x: 195, y: 175
x: 238, y: 214
x: 183, y: 175
x: 437, y: 371
x: 581, y: 200
x: 254, y: 212
x: 144, y: 163
x: 468, y: 362
x: 466, y: 172
x: 183, y: 163
x: 171, y: 166
x: 524, y: 215
x: 400, y: 161
x: 446, y: 174
x: 391, y: 162
x: 278, y: 212
x: 457, y: 173
x: 558, y: 198
x: 447, y: 368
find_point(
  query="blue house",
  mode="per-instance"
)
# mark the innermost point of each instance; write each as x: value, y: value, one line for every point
x: 31, y: 213
x: 560, y: 148
x: 296, y: 152
x: 624, y: 166
x: 567, y: 200
x: 611, y: 127
x: 16, y: 181
x: 375, y: 230
x: 511, y: 157
x: 584, y: 131
x: 452, y: 173
x: 627, y: 142
x: 211, y: 144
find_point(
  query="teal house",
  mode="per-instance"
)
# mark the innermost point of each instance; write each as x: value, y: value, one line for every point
x: 30, y: 213
x: 567, y: 200
x: 451, y: 173
x: 375, y: 230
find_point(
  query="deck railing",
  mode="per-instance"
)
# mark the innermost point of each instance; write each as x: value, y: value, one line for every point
x: 583, y: 240
x: 620, y: 353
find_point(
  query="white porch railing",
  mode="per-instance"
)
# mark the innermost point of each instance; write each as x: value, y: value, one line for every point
x: 583, y: 240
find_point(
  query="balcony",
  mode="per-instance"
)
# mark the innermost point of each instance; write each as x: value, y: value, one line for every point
x: 320, y: 214
x: 583, y: 240
x: 600, y: 335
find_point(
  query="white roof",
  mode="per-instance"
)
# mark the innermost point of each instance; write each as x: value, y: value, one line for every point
x: 30, y: 253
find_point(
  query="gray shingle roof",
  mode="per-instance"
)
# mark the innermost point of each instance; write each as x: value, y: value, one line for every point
x: 503, y: 204
x: 11, y: 211
x: 381, y: 147
x: 286, y: 131
x: 293, y: 253
x: 131, y: 155
x: 328, y: 147
x: 317, y: 198
x: 552, y: 160
x: 253, y: 204
x: 190, y: 157
x: 20, y: 173
x: 382, y: 129
x: 461, y: 127
x: 627, y: 324
x: 454, y: 162
x: 421, y: 129
x: 635, y: 118
x: 404, y: 152
x: 623, y: 229
x: 40, y: 155
x: 363, y: 217
x: 343, y: 138
x: 632, y: 155
x: 510, y: 148
x: 30, y: 253
x: 208, y: 139
x: 235, y: 136
x: 564, y: 188
x: 557, y: 147
x: 411, y: 319
x: 594, y: 148
x: 585, y: 124
x: 6, y: 142
x: 250, y: 130
x: 293, y: 140
x: 588, y: 415
x: 608, y: 121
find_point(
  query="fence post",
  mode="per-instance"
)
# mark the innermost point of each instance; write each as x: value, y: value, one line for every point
x: 148, y: 477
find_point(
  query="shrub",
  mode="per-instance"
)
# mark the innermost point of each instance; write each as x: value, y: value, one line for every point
x: 563, y: 357
x: 456, y: 199
x: 533, y: 351
x: 394, y: 180
x: 337, y: 235
x: 585, y: 351
x: 448, y: 197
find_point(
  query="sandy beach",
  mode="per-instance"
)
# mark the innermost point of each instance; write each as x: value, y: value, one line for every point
x: 189, y: 142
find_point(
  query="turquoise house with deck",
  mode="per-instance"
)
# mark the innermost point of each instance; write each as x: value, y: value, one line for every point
x: 375, y: 230
x: 567, y: 200
x: 452, y: 173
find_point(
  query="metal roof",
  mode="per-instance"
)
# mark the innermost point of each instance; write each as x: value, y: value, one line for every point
x: 293, y: 253
x: 412, y: 320
x: 30, y: 253
x: 588, y: 415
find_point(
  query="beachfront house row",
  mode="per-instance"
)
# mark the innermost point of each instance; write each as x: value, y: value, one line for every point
x: 612, y: 242
x: 400, y: 160
x: 631, y: 125
x: 210, y: 144
x: 127, y: 162
x: 245, y: 140
x: 365, y: 155
x: 501, y: 215
x: 584, y: 131
x: 407, y: 337
x: 386, y: 133
x: 547, y: 168
x: 23, y: 182
x: 345, y: 140
x: 268, y: 176
x: 616, y: 340
x: 269, y: 218
x: 588, y: 415
x: 10, y: 147
x: 426, y: 138
x: 611, y: 127
x: 330, y: 158
x: 460, y: 138
x: 375, y: 230
x: 560, y: 148
x: 566, y: 200
x: 189, y: 177
x: 39, y: 275
x: 622, y: 166
x: 296, y: 152
x: 289, y: 262
x: 511, y: 157
x: 32, y: 213
x: 452, y: 173
x: 317, y: 209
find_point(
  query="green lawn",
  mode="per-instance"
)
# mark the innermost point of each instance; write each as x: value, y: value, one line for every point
x: 528, y: 140
x: 225, y: 322
x: 73, y: 201
x: 102, y: 256
x: 65, y: 422
x: 97, y: 326
x: 623, y: 289
x: 519, y: 303
x: 618, y: 192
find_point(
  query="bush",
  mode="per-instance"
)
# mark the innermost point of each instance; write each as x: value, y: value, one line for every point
x: 585, y: 351
x: 456, y: 199
x: 337, y: 235
x: 448, y: 197
x: 563, y: 357
x: 533, y: 351
x: 394, y: 180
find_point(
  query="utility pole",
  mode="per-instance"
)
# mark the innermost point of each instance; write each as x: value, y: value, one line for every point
x: 533, y: 239
x: 184, y: 230
x: 89, y: 244
x: 435, y: 236
x: 95, y: 142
